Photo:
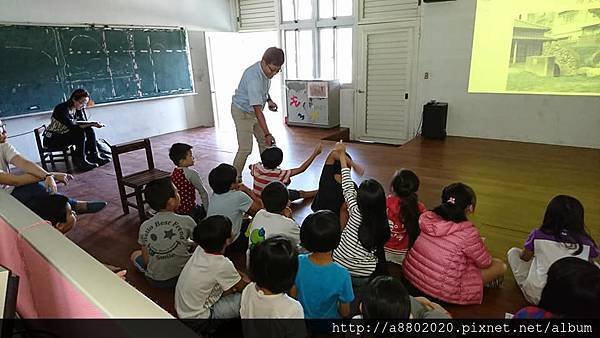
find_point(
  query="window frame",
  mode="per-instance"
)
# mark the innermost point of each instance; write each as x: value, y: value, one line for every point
x: 315, y: 24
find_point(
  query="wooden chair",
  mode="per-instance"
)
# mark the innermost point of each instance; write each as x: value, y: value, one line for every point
x: 51, y: 155
x: 136, y: 181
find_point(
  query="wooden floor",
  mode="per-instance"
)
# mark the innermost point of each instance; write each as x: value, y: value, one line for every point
x: 513, y: 181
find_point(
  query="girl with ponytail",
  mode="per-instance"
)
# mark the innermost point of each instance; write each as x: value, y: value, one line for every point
x: 449, y: 260
x: 403, y: 210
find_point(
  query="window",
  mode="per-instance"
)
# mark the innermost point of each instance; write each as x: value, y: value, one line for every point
x: 299, y: 50
x: 317, y: 37
x: 296, y: 10
x: 336, y: 53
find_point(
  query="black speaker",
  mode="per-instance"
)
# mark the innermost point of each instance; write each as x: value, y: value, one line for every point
x: 435, y: 115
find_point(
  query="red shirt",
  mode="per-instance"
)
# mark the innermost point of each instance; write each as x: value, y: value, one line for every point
x: 399, y: 239
x: 187, y: 192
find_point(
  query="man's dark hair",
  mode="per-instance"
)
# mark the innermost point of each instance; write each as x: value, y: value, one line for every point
x: 274, y: 56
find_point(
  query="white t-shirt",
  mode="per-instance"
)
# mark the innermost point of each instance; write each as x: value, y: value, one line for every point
x: 7, y: 152
x: 202, y: 282
x: 256, y: 305
x: 266, y: 224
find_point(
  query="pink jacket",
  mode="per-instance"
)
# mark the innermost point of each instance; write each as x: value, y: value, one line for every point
x: 446, y: 259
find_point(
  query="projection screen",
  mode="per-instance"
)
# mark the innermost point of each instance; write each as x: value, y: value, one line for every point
x: 536, y: 47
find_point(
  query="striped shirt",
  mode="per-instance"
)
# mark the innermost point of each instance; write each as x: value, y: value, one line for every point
x: 263, y: 176
x: 350, y: 253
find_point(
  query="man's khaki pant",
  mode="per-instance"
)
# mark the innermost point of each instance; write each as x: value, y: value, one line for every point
x: 246, y: 125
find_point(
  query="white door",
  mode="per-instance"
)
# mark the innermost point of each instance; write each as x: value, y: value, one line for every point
x: 385, y: 81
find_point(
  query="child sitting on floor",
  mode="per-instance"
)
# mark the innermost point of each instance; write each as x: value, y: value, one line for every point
x: 323, y: 287
x: 273, y: 267
x: 330, y: 195
x: 164, y: 238
x: 209, y: 285
x: 187, y: 181
x: 403, y: 209
x: 572, y: 291
x: 231, y: 199
x: 56, y: 209
x: 386, y: 298
x: 275, y: 219
x: 562, y: 234
x: 361, y: 247
x: 449, y: 260
x: 268, y: 171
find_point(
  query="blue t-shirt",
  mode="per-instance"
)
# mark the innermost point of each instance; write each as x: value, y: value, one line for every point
x: 321, y: 287
x: 232, y: 204
x: 253, y: 89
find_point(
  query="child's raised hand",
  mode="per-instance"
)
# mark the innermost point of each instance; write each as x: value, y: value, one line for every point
x: 318, y: 149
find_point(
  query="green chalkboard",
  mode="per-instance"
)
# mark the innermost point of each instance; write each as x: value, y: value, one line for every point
x: 41, y: 65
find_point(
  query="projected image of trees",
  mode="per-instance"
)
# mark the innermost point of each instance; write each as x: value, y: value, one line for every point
x: 557, y: 52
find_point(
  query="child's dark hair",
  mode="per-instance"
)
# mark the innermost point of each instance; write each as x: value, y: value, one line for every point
x: 455, y: 199
x: 212, y: 233
x: 564, y: 219
x: 274, y: 264
x: 52, y: 208
x: 222, y: 177
x: 405, y: 185
x: 178, y: 152
x: 572, y: 289
x: 275, y: 197
x: 271, y: 157
x: 158, y: 193
x: 374, y: 230
x: 320, y: 231
x: 385, y: 298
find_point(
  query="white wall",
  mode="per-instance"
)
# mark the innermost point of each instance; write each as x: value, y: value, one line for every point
x: 445, y: 52
x: 135, y: 119
x: 192, y: 14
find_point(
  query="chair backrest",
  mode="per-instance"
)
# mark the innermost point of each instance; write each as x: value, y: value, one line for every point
x: 38, y: 132
x: 128, y: 147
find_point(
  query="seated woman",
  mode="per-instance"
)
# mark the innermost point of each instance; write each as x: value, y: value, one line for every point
x: 69, y: 127
x: 35, y: 184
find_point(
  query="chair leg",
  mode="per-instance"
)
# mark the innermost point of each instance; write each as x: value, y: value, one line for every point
x: 140, y: 204
x: 43, y: 162
x: 67, y: 163
x: 52, y: 163
x: 123, y: 195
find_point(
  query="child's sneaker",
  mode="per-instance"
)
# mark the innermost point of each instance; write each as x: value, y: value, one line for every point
x: 495, y: 284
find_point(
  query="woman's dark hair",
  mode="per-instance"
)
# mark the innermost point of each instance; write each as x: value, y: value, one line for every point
x: 274, y: 264
x: 275, y: 197
x: 374, y: 230
x: 405, y: 185
x: 77, y: 95
x: 564, y: 219
x: 212, y: 233
x: 158, y: 193
x: 52, y: 208
x: 222, y: 177
x: 385, y: 298
x: 274, y: 56
x: 320, y: 231
x: 572, y: 289
x: 178, y: 152
x: 455, y: 199
x: 271, y: 157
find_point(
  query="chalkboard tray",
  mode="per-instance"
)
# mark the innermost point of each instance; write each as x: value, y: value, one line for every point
x: 41, y: 65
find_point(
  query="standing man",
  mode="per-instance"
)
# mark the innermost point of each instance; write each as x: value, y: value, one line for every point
x: 248, y: 103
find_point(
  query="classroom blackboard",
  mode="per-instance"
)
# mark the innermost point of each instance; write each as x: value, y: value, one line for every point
x: 41, y: 65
